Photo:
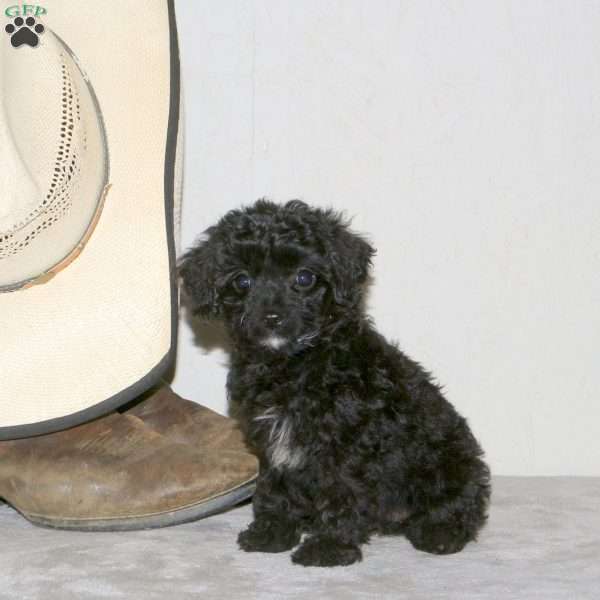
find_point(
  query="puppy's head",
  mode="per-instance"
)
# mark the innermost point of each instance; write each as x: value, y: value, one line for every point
x: 280, y: 276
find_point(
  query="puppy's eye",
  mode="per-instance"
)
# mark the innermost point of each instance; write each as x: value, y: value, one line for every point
x: 242, y: 282
x: 305, y: 279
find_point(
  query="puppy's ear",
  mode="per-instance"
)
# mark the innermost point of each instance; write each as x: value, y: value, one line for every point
x: 350, y: 256
x: 197, y: 269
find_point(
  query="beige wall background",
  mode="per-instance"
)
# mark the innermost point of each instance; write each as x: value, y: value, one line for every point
x: 464, y: 138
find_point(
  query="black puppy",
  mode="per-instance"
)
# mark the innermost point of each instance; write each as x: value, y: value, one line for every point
x: 353, y: 436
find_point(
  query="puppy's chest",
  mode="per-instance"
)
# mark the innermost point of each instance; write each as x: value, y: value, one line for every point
x: 286, y: 428
x: 281, y: 439
x: 293, y: 418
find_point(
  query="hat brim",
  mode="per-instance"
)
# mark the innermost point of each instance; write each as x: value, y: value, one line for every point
x: 103, y: 330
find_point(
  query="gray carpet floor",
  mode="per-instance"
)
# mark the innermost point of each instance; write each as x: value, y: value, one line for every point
x: 542, y: 541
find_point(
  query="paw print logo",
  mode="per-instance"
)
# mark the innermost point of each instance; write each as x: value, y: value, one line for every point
x: 24, y: 31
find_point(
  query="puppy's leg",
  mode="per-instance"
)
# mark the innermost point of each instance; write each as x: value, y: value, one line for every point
x: 276, y: 525
x: 337, y: 534
x: 452, y: 508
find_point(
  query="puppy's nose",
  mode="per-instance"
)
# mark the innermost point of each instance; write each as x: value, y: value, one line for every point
x: 272, y: 320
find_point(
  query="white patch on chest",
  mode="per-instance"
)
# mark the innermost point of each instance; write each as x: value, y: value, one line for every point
x: 280, y: 450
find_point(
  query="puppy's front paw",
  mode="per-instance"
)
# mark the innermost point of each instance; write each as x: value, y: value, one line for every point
x: 265, y: 535
x: 436, y: 538
x: 326, y: 551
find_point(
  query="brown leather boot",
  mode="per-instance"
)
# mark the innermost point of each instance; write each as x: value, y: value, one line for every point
x: 116, y: 473
x: 188, y: 422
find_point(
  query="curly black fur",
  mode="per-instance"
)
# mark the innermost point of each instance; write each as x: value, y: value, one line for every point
x: 354, y: 438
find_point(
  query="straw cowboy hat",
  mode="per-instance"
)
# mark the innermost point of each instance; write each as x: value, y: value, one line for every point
x: 90, y: 148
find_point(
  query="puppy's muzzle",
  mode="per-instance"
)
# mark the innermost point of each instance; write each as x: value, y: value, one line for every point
x: 272, y: 320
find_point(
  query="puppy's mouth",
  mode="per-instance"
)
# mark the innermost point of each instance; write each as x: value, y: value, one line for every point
x: 274, y: 342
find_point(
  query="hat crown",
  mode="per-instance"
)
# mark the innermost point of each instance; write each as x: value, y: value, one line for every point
x: 53, y: 146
